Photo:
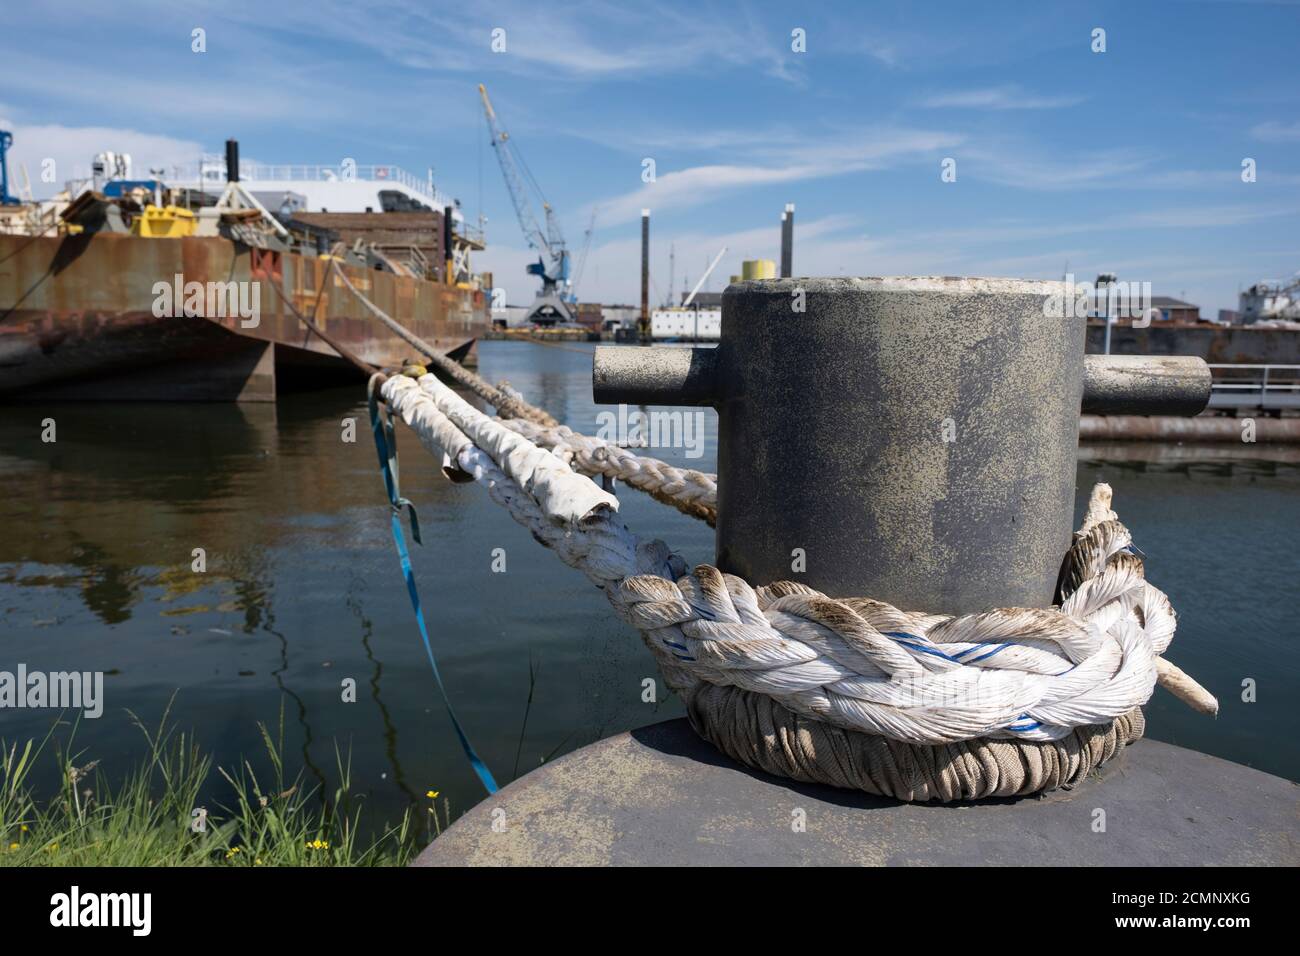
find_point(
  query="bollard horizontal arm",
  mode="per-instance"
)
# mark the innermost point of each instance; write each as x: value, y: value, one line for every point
x: 1145, y: 385
x: 1112, y: 384
x: 634, y: 375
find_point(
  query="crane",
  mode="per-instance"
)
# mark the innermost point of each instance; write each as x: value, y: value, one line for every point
x: 6, y: 140
x: 704, y: 278
x: 554, y: 299
x: 582, y: 256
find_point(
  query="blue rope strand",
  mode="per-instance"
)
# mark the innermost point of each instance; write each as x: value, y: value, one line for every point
x: 386, y: 447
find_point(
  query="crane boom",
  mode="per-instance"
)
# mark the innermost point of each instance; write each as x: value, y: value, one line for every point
x: 514, y: 182
x: 707, y: 272
x: 582, y: 256
x: 552, y: 265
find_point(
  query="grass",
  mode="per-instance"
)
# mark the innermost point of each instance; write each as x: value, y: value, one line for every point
x: 149, y: 818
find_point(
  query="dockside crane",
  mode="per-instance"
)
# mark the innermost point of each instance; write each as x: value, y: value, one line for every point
x: 6, y: 140
x: 582, y: 258
x: 554, y: 300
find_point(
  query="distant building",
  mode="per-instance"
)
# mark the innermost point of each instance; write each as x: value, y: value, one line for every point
x: 1130, y: 302
x: 1229, y: 317
x: 1174, y: 310
x: 619, y: 316
x: 589, y: 314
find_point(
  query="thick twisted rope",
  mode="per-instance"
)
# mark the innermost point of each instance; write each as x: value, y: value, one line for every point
x: 509, y: 406
x: 853, y: 692
x: 691, y: 492
x: 759, y: 732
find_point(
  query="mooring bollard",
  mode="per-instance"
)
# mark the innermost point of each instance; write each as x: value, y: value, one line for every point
x: 907, y: 439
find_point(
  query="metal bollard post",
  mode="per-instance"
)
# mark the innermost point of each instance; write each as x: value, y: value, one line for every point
x: 915, y: 437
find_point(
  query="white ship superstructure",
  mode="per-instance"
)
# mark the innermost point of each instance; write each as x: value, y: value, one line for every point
x: 285, y: 189
x: 1271, y: 301
x: 686, y: 325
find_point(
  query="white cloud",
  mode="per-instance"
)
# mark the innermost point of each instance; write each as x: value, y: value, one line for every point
x: 1275, y: 132
x: 563, y: 39
x: 73, y: 148
x: 699, y: 185
x: 246, y: 90
x: 997, y: 98
x: 793, y: 159
x: 1018, y: 166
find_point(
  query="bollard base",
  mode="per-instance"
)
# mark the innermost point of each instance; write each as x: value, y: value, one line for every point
x: 660, y: 796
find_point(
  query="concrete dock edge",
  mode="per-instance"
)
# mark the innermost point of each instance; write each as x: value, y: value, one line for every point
x: 660, y: 796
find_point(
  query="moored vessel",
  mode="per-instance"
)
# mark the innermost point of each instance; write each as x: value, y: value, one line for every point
x: 131, y: 289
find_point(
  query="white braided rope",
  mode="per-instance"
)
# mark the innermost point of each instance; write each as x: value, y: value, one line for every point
x: 694, y: 492
x: 578, y: 523
x: 861, y: 665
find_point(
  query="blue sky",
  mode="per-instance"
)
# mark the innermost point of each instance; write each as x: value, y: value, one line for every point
x: 1126, y: 161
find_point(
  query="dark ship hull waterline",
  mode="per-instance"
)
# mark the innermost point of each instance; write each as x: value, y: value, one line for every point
x: 80, y: 318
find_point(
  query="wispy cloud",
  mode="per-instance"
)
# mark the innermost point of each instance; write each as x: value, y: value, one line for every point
x: 997, y: 98
x: 1275, y: 132
x: 216, y: 97
x: 1107, y: 219
x: 562, y: 40
x: 72, y: 148
x: 1027, y: 168
x: 799, y: 158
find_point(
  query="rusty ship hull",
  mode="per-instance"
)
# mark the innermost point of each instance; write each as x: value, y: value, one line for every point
x: 79, y: 319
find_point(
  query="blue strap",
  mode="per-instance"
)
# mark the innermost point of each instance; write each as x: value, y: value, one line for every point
x: 386, y: 446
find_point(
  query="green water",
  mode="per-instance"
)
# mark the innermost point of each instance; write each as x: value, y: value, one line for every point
x: 303, y: 588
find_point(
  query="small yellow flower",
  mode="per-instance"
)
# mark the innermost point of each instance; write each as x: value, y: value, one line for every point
x: 257, y: 861
x: 433, y: 794
x: 231, y: 852
x: 24, y: 828
x: 13, y: 846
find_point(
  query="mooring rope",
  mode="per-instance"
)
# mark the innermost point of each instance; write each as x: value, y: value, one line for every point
x: 852, y: 692
x: 692, y: 492
x: 507, y: 406
x: 315, y: 328
x: 459, y: 452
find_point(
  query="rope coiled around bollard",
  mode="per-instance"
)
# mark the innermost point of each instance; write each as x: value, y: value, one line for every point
x: 853, y: 692
x: 759, y: 732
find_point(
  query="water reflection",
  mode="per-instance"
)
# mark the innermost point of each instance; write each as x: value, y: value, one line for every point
x: 303, y: 590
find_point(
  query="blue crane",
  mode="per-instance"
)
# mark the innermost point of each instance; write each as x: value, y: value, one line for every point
x: 555, y: 298
x: 6, y: 140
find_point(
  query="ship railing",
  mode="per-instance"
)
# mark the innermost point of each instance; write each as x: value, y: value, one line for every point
x: 215, y: 174
x: 1262, y: 386
x: 471, y: 233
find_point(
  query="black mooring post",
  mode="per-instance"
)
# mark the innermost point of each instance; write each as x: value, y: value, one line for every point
x: 908, y: 439
x: 643, y: 322
x: 448, y: 246
x: 787, y: 241
x: 232, y: 160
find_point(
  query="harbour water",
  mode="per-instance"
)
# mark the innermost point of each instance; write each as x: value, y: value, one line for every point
x: 303, y: 589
